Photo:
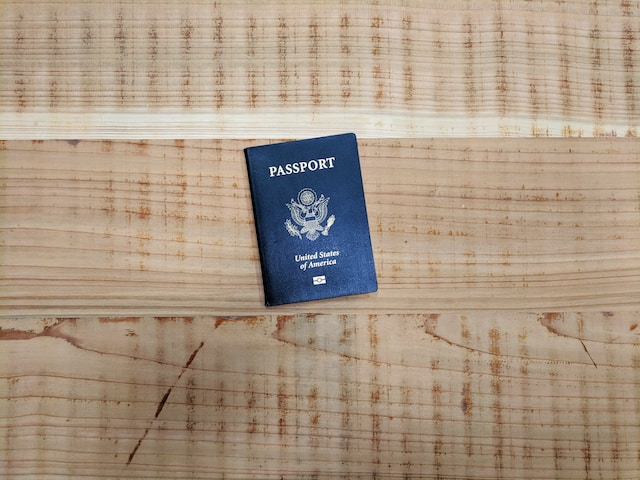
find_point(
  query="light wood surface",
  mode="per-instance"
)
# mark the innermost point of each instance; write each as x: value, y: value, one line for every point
x: 245, y: 69
x: 504, y: 341
x: 493, y: 395
x: 132, y: 228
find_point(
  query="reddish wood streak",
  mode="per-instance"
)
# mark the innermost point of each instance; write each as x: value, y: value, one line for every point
x: 281, y: 321
x: 119, y: 319
x: 241, y: 319
x: 219, y: 64
x: 186, y: 320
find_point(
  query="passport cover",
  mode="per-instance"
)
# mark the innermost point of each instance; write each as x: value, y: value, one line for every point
x: 311, y: 219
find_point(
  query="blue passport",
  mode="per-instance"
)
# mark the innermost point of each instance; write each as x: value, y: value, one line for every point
x: 311, y: 219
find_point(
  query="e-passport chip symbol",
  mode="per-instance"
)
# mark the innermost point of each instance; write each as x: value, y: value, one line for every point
x: 319, y: 280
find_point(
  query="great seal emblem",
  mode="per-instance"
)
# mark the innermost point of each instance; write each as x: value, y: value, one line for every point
x: 309, y: 212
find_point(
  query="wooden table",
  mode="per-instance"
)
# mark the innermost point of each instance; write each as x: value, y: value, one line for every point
x: 500, y: 158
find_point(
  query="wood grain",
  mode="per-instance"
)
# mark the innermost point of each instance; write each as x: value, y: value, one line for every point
x: 130, y: 228
x: 234, y: 69
x: 503, y: 342
x: 478, y: 396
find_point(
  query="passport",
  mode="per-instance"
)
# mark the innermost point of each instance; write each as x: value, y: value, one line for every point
x: 311, y: 219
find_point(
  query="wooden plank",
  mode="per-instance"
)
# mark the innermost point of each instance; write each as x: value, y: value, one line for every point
x: 473, y: 395
x: 503, y: 342
x: 234, y: 69
x: 131, y: 228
